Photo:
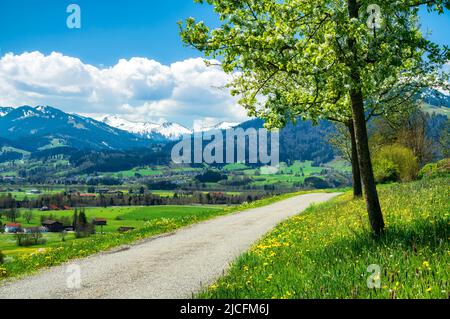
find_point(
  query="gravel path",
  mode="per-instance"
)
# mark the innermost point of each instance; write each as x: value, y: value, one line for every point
x: 169, y: 266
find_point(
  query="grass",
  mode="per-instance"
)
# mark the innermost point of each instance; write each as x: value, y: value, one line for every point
x: 326, y: 252
x: 21, y: 195
x: 149, y: 221
x: 134, y: 171
x: 290, y: 175
x: 116, y: 217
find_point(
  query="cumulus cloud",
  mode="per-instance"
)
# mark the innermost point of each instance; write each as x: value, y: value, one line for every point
x: 137, y: 89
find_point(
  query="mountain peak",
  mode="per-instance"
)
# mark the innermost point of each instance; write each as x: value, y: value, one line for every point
x: 5, y: 110
x: 168, y: 130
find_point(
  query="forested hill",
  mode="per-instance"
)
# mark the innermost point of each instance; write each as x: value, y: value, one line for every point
x: 302, y: 141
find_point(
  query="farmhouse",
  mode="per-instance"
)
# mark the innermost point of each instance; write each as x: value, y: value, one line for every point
x: 13, y: 228
x: 34, y: 230
x: 100, y: 221
x: 53, y: 226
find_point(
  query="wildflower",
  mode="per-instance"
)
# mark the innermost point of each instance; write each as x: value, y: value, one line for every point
x: 429, y: 289
x: 3, y: 272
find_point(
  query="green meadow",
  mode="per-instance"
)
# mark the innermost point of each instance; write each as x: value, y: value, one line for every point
x: 116, y: 217
x: 148, y: 221
x: 329, y: 252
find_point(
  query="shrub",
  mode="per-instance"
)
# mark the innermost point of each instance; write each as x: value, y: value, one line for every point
x: 434, y: 170
x: 23, y: 239
x: 2, y: 257
x: 210, y: 177
x: 316, y: 182
x: 395, y: 161
x: 385, y: 171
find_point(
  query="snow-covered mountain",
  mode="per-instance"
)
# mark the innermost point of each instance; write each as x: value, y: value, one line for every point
x: 435, y: 97
x: 141, y: 128
x: 45, y: 126
x: 173, y: 131
x: 5, y: 110
x: 220, y: 126
x: 169, y: 130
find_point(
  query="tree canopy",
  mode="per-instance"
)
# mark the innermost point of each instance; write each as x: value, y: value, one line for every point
x: 292, y: 58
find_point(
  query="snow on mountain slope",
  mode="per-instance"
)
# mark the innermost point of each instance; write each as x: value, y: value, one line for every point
x: 141, y: 128
x: 172, y: 131
x: 169, y: 130
x: 220, y: 126
x: 5, y: 110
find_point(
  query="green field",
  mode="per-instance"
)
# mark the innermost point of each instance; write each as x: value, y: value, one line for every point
x: 20, y: 195
x: 326, y: 252
x: 116, y: 217
x: 136, y: 171
x: 149, y: 221
x: 287, y: 174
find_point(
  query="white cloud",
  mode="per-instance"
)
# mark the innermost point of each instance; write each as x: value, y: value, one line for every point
x: 138, y: 88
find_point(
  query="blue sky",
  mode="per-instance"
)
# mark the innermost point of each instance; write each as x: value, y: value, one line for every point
x: 120, y: 29
x: 97, y: 70
x: 110, y: 29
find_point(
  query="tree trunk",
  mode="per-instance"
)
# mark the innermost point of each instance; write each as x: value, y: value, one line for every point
x: 356, y: 173
x: 362, y: 143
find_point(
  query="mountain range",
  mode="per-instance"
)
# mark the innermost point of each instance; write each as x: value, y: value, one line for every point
x: 47, y: 129
x: 43, y: 127
x: 169, y: 130
x: 37, y: 128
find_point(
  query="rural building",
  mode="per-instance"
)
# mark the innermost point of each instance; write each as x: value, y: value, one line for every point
x: 100, y: 221
x: 13, y: 228
x: 34, y: 230
x: 53, y: 226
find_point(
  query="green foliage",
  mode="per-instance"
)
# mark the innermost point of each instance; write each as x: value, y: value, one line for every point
x: 210, y: 177
x: 316, y: 182
x: 385, y: 171
x: 12, y: 214
x: 28, y: 216
x: 29, y: 239
x: 326, y: 251
x: 434, y: 170
x: 395, y: 163
x: 297, y: 54
x: 2, y: 257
